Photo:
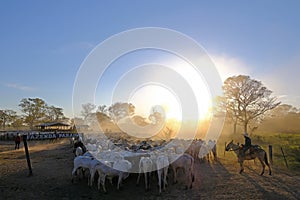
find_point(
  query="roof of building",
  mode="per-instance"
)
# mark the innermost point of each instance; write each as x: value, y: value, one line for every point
x: 52, y: 124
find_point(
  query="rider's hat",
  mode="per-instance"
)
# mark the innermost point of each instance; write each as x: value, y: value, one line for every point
x: 245, y: 134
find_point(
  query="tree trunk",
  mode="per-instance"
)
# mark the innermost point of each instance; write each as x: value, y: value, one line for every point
x: 234, y: 127
x: 31, y: 125
x: 245, y: 126
x: 234, y: 121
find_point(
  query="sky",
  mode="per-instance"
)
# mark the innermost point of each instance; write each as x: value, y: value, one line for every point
x: 44, y: 43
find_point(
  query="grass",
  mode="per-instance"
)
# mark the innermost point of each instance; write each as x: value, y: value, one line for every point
x: 290, y: 144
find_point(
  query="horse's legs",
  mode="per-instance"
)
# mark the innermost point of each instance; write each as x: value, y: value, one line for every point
x: 267, y: 163
x: 270, y: 171
x: 263, y: 165
x: 242, y: 167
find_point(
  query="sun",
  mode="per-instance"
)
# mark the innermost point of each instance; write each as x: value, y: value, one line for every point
x: 197, y: 83
x: 174, y: 85
x: 150, y: 95
x: 146, y: 97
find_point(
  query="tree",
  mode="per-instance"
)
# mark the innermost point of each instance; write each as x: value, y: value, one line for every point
x: 224, y: 107
x: 247, y: 99
x: 34, y: 110
x: 119, y: 110
x: 283, y: 110
x: 101, y: 117
x: 87, y: 110
x: 139, y: 120
x: 54, y: 113
x: 284, y: 118
x: 102, y: 113
x: 7, y: 117
x: 168, y: 133
x: 18, y: 122
x: 157, y: 115
x: 102, y: 109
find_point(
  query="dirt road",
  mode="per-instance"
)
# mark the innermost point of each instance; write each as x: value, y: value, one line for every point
x: 52, y: 165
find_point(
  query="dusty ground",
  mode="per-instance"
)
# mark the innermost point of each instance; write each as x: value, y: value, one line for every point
x: 52, y: 165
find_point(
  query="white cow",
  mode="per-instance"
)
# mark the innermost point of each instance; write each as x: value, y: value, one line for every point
x: 185, y: 162
x: 145, y: 166
x: 105, y: 171
x: 93, y: 169
x: 162, y: 164
x: 81, y: 162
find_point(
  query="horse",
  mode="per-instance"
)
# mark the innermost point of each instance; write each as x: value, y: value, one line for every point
x: 255, y: 152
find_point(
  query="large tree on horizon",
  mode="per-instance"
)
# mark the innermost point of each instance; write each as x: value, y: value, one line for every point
x: 87, y: 110
x: 246, y: 99
x: 120, y: 110
x: 54, y: 113
x: 34, y: 110
x: 7, y: 117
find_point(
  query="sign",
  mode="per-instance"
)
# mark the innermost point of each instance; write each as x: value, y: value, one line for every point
x: 45, y: 136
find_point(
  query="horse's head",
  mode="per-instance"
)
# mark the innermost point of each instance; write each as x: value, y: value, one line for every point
x: 229, y: 146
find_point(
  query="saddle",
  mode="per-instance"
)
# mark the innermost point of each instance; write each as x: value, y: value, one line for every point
x: 251, y: 150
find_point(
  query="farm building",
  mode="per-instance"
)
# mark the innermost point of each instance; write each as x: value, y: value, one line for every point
x: 53, y: 126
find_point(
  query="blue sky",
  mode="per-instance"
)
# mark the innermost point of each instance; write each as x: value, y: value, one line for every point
x: 43, y: 43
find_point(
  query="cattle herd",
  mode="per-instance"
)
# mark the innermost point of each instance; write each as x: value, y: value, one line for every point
x: 102, y: 158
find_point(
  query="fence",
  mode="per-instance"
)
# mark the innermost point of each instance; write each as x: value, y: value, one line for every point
x: 283, y: 155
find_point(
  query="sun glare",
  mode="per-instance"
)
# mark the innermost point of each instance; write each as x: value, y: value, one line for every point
x: 197, y: 84
x: 145, y: 98
x: 149, y: 95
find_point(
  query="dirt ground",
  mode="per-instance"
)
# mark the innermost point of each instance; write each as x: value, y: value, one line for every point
x: 52, y: 165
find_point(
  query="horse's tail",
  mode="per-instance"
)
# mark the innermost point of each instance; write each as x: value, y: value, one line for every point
x: 266, y: 158
x: 266, y: 161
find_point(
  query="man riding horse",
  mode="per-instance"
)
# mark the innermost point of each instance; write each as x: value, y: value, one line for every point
x: 247, y: 144
x: 255, y: 152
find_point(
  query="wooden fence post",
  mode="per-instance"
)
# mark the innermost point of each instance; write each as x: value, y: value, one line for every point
x: 286, y: 164
x: 224, y: 149
x: 27, y: 154
x: 271, y: 154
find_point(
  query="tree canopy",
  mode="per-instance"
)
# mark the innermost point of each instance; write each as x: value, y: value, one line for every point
x: 120, y: 110
x: 36, y: 110
x: 246, y: 99
x: 7, y: 117
x: 87, y: 110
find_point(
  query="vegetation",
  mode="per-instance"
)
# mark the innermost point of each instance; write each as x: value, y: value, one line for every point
x: 246, y: 100
x: 248, y: 106
x: 34, y: 111
x: 289, y: 142
x: 109, y: 118
x: 7, y: 117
